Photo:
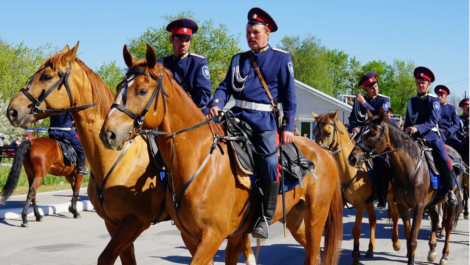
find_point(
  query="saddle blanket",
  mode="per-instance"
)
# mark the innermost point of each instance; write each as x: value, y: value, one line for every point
x: 436, y: 179
x: 288, y: 184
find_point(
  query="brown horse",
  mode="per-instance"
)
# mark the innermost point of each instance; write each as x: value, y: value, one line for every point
x: 204, y: 197
x: 131, y: 198
x: 43, y: 155
x: 331, y: 134
x: 411, y: 187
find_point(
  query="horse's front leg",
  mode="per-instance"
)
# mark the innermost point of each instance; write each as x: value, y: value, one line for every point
x: 432, y: 254
x: 373, y: 225
x: 412, y: 243
x: 207, y: 247
x: 449, y: 216
x: 237, y: 245
x: 356, y: 232
x: 395, y: 216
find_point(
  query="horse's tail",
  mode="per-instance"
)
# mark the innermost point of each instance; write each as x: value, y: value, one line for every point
x: 459, y: 208
x: 334, y: 228
x: 259, y: 243
x: 15, y: 171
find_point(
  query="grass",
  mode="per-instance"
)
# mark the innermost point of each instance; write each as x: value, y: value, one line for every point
x: 49, y: 183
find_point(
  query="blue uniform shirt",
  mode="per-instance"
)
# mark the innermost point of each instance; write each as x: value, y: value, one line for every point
x: 277, y: 70
x: 424, y: 113
x: 57, y: 121
x: 359, y: 113
x: 392, y: 121
x: 449, y: 121
x: 192, y: 73
x: 463, y: 125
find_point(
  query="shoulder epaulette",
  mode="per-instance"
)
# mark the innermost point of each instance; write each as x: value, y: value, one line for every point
x: 279, y: 50
x: 432, y: 95
x: 196, y: 55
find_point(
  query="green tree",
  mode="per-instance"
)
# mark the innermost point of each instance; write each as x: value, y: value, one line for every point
x: 212, y: 42
x: 343, y: 70
x: 311, y: 62
x: 111, y: 74
x: 17, y: 64
x: 385, y: 76
x: 404, y: 85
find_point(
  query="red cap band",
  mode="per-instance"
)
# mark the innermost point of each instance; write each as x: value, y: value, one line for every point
x: 262, y: 19
x: 440, y: 90
x: 369, y: 81
x: 465, y: 102
x: 423, y: 75
x: 182, y: 30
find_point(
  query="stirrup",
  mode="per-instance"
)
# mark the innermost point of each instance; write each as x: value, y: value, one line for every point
x: 452, y: 199
x: 83, y: 172
x: 263, y: 234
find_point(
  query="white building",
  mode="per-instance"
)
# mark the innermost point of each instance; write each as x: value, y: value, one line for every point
x: 310, y: 99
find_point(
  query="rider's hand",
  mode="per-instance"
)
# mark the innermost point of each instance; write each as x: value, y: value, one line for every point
x: 287, y: 137
x: 412, y: 130
x: 213, y: 112
x: 360, y: 98
x: 356, y: 130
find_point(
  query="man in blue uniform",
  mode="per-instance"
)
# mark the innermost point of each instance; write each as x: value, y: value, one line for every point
x: 449, y: 121
x: 462, y: 133
x: 388, y: 114
x: 374, y: 103
x: 255, y: 101
x: 422, y: 116
x: 63, y: 130
x: 189, y: 70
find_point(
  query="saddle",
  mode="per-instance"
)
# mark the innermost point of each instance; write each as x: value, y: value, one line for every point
x: 293, y: 162
x: 457, y: 163
x: 70, y: 156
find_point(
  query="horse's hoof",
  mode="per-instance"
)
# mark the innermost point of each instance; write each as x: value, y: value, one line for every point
x: 70, y: 208
x: 444, y: 262
x: 465, y: 216
x: 355, y: 262
x: 77, y: 216
x: 432, y: 256
x: 39, y: 219
x: 369, y: 254
x: 24, y: 225
x: 397, y: 247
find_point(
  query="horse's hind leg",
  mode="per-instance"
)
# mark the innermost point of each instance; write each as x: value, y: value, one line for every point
x: 122, y: 239
x: 373, y: 226
x: 395, y: 216
x: 75, y: 183
x: 449, y: 215
x: 296, y: 223
x: 235, y: 246
x: 432, y: 254
x: 412, y: 243
x: 34, y: 184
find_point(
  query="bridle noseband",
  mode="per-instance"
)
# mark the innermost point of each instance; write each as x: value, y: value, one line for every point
x: 131, y: 75
x: 330, y: 147
x: 64, y: 77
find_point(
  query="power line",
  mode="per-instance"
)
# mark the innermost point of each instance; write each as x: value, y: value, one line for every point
x: 458, y: 81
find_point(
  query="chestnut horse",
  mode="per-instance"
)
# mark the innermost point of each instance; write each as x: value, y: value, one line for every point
x: 331, y: 134
x: 39, y: 157
x: 411, y: 186
x: 132, y: 196
x: 204, y: 197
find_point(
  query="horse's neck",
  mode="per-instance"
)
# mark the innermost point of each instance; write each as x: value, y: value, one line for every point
x: 347, y: 171
x: 404, y: 164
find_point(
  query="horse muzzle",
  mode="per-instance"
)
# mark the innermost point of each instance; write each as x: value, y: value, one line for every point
x: 19, y: 117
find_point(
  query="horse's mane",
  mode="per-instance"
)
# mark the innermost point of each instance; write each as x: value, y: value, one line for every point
x: 399, y: 138
x: 101, y: 93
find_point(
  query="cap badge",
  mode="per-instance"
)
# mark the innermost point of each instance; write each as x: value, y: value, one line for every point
x: 254, y: 16
x: 185, y: 29
x: 370, y: 80
x: 422, y: 74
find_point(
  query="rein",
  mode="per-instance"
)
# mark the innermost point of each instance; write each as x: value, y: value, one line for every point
x: 64, y: 77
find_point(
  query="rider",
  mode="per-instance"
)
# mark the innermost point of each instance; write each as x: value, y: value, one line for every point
x: 374, y: 103
x: 462, y: 133
x: 63, y: 130
x: 422, y: 116
x: 189, y: 69
x: 254, y: 106
x: 449, y: 121
x: 389, y: 116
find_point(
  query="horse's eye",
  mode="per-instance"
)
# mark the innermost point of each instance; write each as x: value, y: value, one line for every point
x: 46, y: 77
x: 142, y: 92
x: 328, y: 134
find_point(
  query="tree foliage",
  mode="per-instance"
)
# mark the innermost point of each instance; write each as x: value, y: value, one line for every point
x: 111, y: 74
x: 210, y: 41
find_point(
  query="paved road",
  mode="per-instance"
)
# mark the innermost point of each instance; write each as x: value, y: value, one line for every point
x: 60, y: 239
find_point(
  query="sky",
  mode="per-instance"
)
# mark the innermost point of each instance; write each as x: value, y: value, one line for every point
x: 430, y: 33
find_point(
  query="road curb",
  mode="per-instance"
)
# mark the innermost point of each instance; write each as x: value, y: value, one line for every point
x: 15, y: 213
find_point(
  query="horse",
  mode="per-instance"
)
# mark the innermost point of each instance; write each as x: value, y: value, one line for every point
x: 204, y: 197
x: 131, y: 197
x: 40, y: 156
x: 356, y: 185
x: 412, y: 186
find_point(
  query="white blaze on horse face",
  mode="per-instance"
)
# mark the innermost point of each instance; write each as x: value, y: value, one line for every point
x: 118, y: 99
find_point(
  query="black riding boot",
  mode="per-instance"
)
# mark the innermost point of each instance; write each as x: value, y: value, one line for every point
x: 269, y: 200
x: 449, y: 185
x: 81, y: 166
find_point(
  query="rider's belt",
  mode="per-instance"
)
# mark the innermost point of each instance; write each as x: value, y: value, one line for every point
x: 60, y: 128
x: 253, y: 105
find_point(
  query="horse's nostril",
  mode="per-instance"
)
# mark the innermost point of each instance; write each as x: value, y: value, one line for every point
x: 352, y: 160
x: 13, y: 113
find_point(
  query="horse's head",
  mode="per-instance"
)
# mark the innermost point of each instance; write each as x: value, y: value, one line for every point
x: 328, y: 130
x: 372, y: 140
x: 140, y: 102
x: 47, y: 89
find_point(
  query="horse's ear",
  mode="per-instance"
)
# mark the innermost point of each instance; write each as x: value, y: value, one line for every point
x: 151, y: 57
x: 336, y: 115
x: 369, y: 114
x: 65, y: 49
x: 128, y: 58
x: 314, y: 115
x: 70, y: 55
x: 381, y: 115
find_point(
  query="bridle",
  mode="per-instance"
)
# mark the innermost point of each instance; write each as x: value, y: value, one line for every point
x: 64, y: 77
x: 131, y: 75
x: 333, y: 142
